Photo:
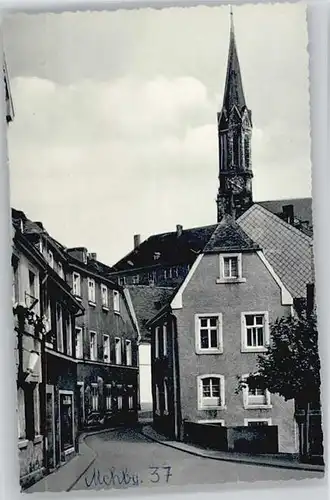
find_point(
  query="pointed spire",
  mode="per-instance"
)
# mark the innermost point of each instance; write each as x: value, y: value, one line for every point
x: 233, y: 94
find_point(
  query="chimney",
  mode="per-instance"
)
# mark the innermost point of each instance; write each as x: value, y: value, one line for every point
x: 179, y: 230
x: 137, y: 240
x: 288, y: 214
x: 92, y: 256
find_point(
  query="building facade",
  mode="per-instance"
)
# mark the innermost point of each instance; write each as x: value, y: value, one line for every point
x: 106, y: 345
x: 209, y: 337
x: 47, y: 298
x: 27, y: 271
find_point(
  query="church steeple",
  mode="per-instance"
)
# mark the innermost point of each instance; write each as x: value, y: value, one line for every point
x: 234, y: 94
x: 234, y: 132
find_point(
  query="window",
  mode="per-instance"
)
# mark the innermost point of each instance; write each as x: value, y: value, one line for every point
x: 60, y: 270
x: 165, y: 398
x: 118, y: 350
x: 116, y: 301
x: 135, y: 280
x: 93, y: 346
x: 41, y: 246
x: 32, y: 286
x: 255, y: 331
x: 104, y: 296
x: 79, y: 343
x: 211, y: 392
x: 76, y: 284
x: 122, y: 280
x: 49, y: 340
x: 15, y: 280
x: 59, y: 328
x: 106, y: 348
x: 128, y: 344
x: 255, y: 398
x: 257, y: 422
x: 176, y: 272
x: 157, y: 405
x: 120, y: 402
x: 130, y: 402
x: 231, y: 268
x: 91, y: 291
x: 29, y: 411
x: 95, y: 398
x: 69, y: 336
x: 165, y: 340
x: 157, y: 332
x: 51, y: 259
x: 170, y: 272
x: 108, y: 398
x: 21, y: 413
x: 165, y: 274
x: 208, y: 332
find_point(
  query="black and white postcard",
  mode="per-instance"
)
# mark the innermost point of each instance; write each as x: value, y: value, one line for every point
x: 163, y: 277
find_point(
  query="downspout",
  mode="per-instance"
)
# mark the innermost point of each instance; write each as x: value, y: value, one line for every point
x: 176, y: 381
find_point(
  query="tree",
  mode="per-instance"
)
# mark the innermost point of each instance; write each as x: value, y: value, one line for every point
x: 291, y: 365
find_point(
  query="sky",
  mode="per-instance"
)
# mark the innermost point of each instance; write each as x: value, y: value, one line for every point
x: 115, y: 116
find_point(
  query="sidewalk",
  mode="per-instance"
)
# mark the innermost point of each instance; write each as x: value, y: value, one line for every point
x: 68, y: 474
x: 244, y: 458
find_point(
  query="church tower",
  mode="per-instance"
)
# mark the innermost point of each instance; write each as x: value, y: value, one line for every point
x: 234, y: 133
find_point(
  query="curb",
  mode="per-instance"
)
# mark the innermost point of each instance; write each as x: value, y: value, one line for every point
x: 245, y: 461
x: 82, y: 439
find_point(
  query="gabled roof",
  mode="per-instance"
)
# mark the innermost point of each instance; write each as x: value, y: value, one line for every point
x: 302, y: 209
x: 172, y: 248
x: 229, y: 237
x: 288, y: 249
x: 147, y: 302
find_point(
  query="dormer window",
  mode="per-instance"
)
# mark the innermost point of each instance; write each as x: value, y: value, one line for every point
x: 41, y: 246
x: 156, y: 255
x: 231, y: 268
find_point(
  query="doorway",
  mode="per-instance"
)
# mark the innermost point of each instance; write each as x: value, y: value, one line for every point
x: 50, y: 428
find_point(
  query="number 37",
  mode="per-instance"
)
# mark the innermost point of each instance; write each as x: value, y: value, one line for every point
x: 155, y: 473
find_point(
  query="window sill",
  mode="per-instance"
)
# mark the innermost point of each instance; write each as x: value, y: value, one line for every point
x: 38, y: 438
x: 209, y: 351
x: 69, y: 450
x: 117, y: 312
x: 105, y: 308
x: 78, y: 297
x: 254, y: 349
x: 22, y: 443
x: 221, y: 281
x: 258, y: 407
x: 212, y: 408
x: 91, y: 303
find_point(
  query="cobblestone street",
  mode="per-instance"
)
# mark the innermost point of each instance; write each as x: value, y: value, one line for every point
x: 125, y: 458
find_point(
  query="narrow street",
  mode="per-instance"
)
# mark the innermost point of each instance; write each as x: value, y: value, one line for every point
x: 125, y: 458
